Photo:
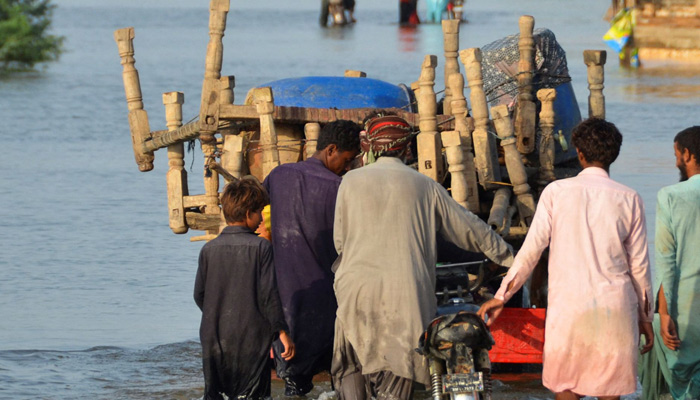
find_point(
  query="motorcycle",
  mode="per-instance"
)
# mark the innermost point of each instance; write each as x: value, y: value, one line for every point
x: 456, y: 343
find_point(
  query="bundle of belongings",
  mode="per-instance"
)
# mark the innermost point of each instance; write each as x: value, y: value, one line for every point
x: 500, y: 66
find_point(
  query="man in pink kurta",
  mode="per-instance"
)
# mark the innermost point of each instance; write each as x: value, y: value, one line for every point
x: 599, y: 281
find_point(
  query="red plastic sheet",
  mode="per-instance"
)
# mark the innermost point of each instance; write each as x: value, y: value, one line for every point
x: 519, y: 336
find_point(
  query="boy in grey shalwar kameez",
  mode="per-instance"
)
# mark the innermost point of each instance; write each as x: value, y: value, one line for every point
x: 236, y: 290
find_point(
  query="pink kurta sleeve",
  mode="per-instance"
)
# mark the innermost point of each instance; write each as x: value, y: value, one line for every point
x: 638, y: 260
x: 536, y: 241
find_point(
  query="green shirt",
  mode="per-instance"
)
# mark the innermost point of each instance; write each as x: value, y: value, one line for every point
x: 678, y: 269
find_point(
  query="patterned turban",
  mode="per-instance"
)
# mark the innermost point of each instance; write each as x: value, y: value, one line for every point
x: 384, y: 134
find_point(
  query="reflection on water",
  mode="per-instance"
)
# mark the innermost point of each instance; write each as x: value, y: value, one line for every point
x: 644, y: 92
x: 662, y: 80
x: 408, y: 37
x: 337, y: 32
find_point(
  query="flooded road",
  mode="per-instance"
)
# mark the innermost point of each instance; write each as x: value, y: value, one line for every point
x: 96, y: 292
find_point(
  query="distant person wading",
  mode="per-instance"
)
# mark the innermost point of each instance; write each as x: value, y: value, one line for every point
x: 348, y: 5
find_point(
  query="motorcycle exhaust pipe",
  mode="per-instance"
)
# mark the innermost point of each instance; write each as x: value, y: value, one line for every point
x: 437, y: 369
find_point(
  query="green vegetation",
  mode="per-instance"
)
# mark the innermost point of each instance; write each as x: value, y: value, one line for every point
x: 24, y: 41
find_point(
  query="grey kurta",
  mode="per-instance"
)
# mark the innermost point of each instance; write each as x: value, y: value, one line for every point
x: 387, y: 218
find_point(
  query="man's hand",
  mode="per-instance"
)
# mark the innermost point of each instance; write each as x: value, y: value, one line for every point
x: 647, y: 331
x: 668, y: 332
x: 492, y: 308
x: 288, y: 346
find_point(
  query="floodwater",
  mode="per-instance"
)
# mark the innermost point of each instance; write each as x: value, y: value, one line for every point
x: 95, y: 291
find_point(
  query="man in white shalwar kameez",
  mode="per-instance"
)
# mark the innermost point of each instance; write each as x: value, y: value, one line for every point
x: 599, y: 298
x: 387, y: 218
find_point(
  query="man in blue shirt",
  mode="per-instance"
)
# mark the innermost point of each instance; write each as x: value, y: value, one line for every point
x: 302, y: 208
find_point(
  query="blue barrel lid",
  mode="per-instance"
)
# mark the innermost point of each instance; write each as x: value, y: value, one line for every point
x: 338, y: 92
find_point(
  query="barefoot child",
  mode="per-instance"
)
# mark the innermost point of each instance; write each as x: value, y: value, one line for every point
x: 237, y: 292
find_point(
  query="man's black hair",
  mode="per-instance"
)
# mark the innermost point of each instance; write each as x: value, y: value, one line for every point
x: 342, y: 133
x: 689, y: 138
x: 598, y: 140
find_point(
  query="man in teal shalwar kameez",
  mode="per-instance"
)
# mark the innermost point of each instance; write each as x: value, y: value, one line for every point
x: 678, y: 273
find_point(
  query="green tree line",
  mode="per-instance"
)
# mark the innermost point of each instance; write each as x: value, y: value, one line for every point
x: 24, y: 38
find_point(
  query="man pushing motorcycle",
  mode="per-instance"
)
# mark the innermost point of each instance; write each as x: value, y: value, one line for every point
x: 387, y: 219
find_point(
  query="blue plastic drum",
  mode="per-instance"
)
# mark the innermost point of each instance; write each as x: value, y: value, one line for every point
x: 339, y: 92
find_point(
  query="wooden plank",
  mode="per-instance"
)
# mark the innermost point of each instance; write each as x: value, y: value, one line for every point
x: 203, y: 222
x: 429, y: 144
x: 485, y: 160
x: 232, y: 158
x: 465, y: 126
x: 195, y: 201
x: 285, y: 114
x: 514, y: 164
x: 294, y: 115
x: 525, y: 110
x: 450, y: 33
x: 595, y: 60
x: 176, y: 178
x: 209, y: 108
x: 547, y: 150
x: 350, y: 73
x: 455, y: 161
x: 264, y: 102
x: 138, y: 118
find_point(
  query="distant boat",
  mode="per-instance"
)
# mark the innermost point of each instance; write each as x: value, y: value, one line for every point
x: 669, y: 30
